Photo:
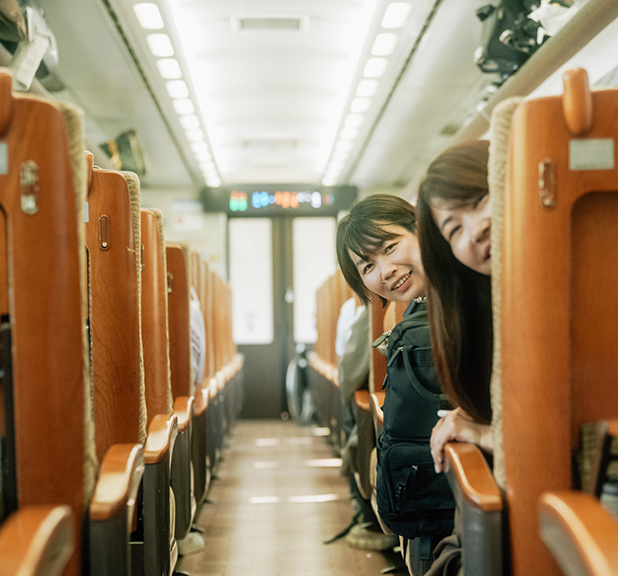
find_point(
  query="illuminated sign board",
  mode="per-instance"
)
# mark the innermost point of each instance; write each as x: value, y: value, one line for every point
x: 270, y: 199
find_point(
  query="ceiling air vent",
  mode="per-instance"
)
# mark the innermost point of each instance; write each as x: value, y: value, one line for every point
x: 266, y: 144
x: 270, y: 22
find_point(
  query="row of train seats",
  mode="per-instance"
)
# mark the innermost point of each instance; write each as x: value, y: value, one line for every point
x: 367, y: 401
x: 544, y: 507
x: 109, y: 441
x: 323, y: 378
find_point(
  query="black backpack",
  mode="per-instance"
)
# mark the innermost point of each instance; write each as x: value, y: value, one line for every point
x: 412, y: 499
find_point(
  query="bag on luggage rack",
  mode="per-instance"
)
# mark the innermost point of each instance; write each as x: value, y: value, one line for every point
x: 412, y: 499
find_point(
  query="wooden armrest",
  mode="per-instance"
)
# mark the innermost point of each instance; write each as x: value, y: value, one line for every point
x: 183, y: 409
x: 119, y: 478
x: 161, y: 438
x: 362, y: 400
x: 221, y: 380
x: 377, y: 400
x: 201, y: 401
x: 581, y: 534
x: 36, y: 541
x: 473, y: 476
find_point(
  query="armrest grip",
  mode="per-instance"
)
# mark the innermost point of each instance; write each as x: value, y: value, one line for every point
x: 580, y: 533
x: 161, y: 438
x: 377, y: 399
x: 36, y: 541
x: 118, y: 482
x: 362, y: 400
x: 473, y: 476
x: 201, y: 401
x: 183, y: 409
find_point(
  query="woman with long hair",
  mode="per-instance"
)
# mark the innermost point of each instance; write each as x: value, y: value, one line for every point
x: 454, y: 212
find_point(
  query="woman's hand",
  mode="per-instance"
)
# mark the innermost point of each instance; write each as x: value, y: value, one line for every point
x: 457, y: 425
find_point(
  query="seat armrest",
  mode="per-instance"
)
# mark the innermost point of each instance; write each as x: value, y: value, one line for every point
x: 161, y: 438
x: 119, y: 478
x: 36, y: 541
x: 479, y: 507
x: 377, y: 400
x: 473, y: 476
x: 183, y: 409
x: 160, y: 551
x: 580, y: 533
x: 362, y: 400
x: 112, y: 508
x: 182, y: 473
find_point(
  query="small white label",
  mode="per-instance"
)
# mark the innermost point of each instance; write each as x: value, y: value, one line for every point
x: 86, y: 212
x: 4, y: 158
x: 591, y: 154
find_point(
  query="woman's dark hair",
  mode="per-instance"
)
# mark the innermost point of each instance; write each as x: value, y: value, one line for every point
x: 458, y: 298
x: 362, y: 231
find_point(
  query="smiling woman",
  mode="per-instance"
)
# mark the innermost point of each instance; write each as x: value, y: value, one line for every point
x: 454, y: 224
x: 378, y: 251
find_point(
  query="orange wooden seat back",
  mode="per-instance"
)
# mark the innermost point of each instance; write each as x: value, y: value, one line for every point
x: 114, y: 311
x: 377, y: 364
x: 559, y: 297
x: 208, y: 304
x: 178, y: 273
x: 154, y: 320
x: 42, y: 272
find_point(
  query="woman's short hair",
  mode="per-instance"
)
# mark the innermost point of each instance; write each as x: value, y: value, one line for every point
x: 458, y: 299
x: 363, y: 230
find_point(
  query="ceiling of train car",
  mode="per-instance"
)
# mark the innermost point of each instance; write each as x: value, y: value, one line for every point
x: 279, y: 91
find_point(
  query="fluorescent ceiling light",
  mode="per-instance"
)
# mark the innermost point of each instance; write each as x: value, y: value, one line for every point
x: 335, y: 166
x: 360, y: 105
x: 367, y: 88
x: 148, y: 16
x: 183, y: 106
x: 177, y: 89
x: 169, y: 68
x: 384, y: 44
x: 189, y: 121
x: 396, y: 15
x: 213, y: 182
x: 354, y: 120
x: 199, y: 147
x: 344, y: 145
x: 340, y: 155
x: 194, y: 135
x: 348, y: 133
x: 203, y: 156
x: 160, y: 45
x: 375, y: 67
x: 329, y: 181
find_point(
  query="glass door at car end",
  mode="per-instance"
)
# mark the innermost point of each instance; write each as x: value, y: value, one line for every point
x: 276, y: 266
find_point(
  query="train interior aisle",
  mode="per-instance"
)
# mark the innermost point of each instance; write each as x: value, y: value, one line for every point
x: 277, y: 498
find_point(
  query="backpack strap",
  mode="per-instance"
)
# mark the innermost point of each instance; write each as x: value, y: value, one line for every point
x: 414, y: 380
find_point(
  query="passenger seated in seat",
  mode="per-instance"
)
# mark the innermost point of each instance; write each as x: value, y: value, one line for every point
x: 454, y: 231
x: 378, y: 252
x: 454, y: 211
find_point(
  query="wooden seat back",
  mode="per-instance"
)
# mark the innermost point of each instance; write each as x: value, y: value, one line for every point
x: 114, y: 254
x: 154, y: 319
x: 42, y: 275
x: 179, y: 278
x: 559, y: 297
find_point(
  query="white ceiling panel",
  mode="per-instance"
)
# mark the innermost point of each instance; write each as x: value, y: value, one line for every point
x: 271, y: 102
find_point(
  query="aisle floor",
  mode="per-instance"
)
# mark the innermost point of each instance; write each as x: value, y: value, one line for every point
x: 277, y: 497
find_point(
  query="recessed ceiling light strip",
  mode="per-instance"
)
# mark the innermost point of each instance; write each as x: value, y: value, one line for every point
x: 395, y: 15
x: 182, y: 106
x: 140, y: 70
